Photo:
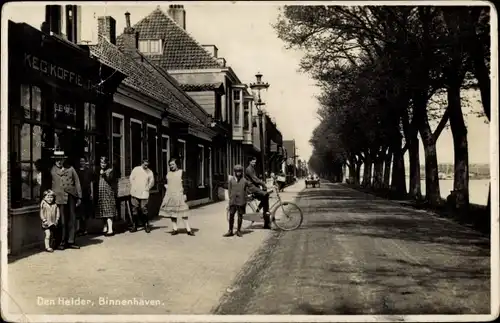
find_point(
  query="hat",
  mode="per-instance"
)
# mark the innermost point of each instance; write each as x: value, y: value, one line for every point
x: 59, y: 154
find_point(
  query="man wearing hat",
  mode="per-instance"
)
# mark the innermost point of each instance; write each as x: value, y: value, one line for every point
x: 68, y: 192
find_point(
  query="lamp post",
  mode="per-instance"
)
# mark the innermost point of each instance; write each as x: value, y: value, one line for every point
x: 257, y: 87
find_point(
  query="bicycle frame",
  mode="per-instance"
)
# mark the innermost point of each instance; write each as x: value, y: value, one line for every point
x: 253, y: 204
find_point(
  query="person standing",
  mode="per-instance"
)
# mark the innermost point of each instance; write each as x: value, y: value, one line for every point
x: 142, y: 181
x: 68, y: 193
x: 174, y: 202
x: 106, y: 196
x: 257, y: 188
x: 49, y: 214
x: 237, y: 188
x: 86, y: 176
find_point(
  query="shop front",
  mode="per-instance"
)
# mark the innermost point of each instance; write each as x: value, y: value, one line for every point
x: 59, y: 99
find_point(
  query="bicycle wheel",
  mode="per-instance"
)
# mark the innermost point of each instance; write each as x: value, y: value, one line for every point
x: 287, y: 216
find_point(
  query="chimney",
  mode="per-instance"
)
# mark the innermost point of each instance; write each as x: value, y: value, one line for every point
x: 53, y: 17
x: 106, y: 26
x: 178, y: 14
x: 212, y: 49
x: 222, y: 61
x: 130, y: 39
x: 73, y: 23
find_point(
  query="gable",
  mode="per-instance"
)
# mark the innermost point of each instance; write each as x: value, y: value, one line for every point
x: 180, y: 49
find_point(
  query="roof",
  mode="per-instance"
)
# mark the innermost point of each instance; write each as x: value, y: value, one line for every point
x: 143, y: 77
x: 202, y: 87
x: 180, y: 50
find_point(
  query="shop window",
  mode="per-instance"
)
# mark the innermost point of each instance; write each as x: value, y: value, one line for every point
x: 27, y: 140
x: 152, y: 149
x: 165, y: 153
x: 136, y: 144
x: 182, y: 153
x: 31, y: 102
x: 89, y: 122
x: 26, y: 163
x: 89, y: 149
x: 65, y: 113
x: 118, y: 143
x: 200, y: 174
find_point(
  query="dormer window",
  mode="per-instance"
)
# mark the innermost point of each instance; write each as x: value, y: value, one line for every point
x: 150, y: 46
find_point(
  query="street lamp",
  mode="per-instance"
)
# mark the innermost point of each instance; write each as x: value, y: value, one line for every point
x: 256, y: 88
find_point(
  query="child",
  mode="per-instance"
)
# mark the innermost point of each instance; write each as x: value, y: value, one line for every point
x: 237, y: 199
x: 49, y: 214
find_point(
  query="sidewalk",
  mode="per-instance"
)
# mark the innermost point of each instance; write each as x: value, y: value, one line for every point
x: 180, y: 274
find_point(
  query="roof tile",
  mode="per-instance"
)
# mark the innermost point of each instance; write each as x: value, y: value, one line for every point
x: 145, y: 79
x: 201, y: 87
x: 180, y: 50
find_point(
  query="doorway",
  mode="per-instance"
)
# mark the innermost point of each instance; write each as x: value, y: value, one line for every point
x: 71, y: 142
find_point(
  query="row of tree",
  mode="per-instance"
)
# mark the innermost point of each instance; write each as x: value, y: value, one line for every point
x: 379, y: 67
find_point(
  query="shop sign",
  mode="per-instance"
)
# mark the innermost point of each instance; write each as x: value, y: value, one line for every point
x: 56, y: 71
x: 65, y: 108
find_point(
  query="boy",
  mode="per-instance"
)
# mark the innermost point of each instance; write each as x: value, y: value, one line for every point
x: 237, y: 199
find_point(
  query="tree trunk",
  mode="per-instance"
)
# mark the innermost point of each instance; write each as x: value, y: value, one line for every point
x: 398, y: 182
x: 415, y: 190
x: 483, y: 79
x: 378, y: 170
x: 432, y: 190
x: 367, y: 172
x: 357, y: 173
x: 460, y: 145
x: 352, y: 173
x: 387, y: 170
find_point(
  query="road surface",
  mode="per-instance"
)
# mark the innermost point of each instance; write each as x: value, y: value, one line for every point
x: 358, y: 254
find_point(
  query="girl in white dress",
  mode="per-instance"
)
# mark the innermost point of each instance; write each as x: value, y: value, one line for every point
x: 174, y: 202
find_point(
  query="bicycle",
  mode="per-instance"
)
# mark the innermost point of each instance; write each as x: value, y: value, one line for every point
x: 287, y: 207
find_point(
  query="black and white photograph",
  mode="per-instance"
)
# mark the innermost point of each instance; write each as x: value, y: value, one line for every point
x: 249, y: 161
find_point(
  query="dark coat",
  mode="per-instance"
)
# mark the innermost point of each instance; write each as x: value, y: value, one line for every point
x: 65, y: 181
x: 254, y: 181
x: 238, y: 191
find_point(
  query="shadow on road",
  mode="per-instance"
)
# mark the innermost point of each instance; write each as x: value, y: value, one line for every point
x: 382, y: 219
x: 358, y: 254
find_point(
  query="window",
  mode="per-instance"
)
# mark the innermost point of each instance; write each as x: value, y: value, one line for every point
x: 182, y: 153
x: 165, y: 153
x: 154, y: 46
x: 152, y: 148
x: 31, y: 102
x: 237, y: 95
x: 237, y: 106
x: 143, y: 46
x: 246, y: 116
x: 200, y: 173
x: 65, y: 113
x: 150, y: 46
x: 89, y: 122
x: 28, y: 140
x: 118, y: 143
x: 136, y: 147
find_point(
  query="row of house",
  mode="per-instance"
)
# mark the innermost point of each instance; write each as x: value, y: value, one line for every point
x: 153, y: 91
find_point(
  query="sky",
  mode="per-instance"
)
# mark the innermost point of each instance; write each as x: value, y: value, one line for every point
x: 245, y: 38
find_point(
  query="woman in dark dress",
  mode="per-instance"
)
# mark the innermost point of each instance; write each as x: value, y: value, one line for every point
x: 106, y: 196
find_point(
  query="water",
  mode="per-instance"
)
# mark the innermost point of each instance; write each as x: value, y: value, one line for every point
x: 478, y: 189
